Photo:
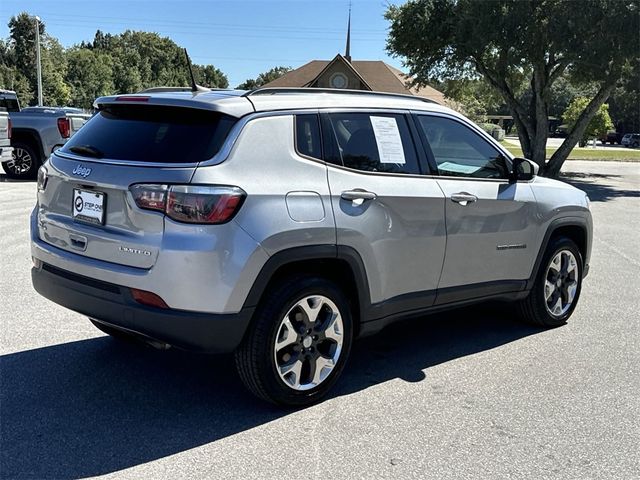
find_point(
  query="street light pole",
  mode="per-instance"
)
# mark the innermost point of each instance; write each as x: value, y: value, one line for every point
x: 38, y: 66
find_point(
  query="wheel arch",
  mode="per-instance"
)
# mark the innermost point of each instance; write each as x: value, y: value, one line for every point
x: 574, y: 228
x: 339, y: 264
x: 30, y: 137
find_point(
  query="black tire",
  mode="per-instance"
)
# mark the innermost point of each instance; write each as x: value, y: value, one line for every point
x: 25, y: 162
x: 533, y: 309
x: 255, y: 357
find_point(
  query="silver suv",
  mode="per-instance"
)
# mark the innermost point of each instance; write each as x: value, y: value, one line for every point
x: 281, y: 224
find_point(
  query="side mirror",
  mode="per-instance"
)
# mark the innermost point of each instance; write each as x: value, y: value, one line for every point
x: 523, y: 169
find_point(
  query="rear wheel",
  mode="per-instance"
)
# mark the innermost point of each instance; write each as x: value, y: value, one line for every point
x: 24, y: 162
x: 298, y: 343
x: 557, y: 286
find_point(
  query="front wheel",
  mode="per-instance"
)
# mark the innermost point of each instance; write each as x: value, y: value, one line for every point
x: 298, y: 342
x: 557, y: 286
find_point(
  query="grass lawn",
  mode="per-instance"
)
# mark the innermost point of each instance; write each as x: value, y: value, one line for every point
x: 628, y: 155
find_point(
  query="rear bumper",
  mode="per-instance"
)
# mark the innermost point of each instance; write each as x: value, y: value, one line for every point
x: 113, y: 305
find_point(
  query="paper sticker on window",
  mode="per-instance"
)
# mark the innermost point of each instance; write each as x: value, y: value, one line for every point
x: 457, y: 168
x: 388, y: 140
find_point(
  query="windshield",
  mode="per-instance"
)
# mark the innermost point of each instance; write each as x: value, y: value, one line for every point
x: 150, y: 133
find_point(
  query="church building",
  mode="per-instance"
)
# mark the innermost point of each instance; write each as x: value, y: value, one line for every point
x: 343, y: 72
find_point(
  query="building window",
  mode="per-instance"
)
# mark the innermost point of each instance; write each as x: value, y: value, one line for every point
x: 339, y: 80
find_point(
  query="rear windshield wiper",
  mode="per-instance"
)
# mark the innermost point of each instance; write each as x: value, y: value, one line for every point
x: 86, y: 151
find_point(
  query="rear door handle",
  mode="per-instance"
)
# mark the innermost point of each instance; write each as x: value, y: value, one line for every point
x: 463, y: 198
x: 357, y: 194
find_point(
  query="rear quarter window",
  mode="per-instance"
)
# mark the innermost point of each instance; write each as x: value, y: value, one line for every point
x: 153, y: 134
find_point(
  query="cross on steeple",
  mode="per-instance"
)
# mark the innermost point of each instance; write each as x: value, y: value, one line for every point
x: 347, y: 53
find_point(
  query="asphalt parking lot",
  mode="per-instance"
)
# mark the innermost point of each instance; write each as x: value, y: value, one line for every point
x: 466, y: 394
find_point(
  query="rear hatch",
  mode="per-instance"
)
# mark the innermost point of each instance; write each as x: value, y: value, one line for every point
x: 85, y: 203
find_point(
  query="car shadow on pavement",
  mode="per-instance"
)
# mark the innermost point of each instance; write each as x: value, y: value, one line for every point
x: 97, y: 406
x: 600, y: 191
x: 5, y: 178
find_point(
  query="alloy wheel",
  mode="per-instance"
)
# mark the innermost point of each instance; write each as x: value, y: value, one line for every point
x: 561, y: 283
x: 308, y: 342
x: 20, y: 162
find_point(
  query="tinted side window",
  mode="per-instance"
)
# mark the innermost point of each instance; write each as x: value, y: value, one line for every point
x: 308, y: 140
x: 461, y: 152
x: 375, y: 142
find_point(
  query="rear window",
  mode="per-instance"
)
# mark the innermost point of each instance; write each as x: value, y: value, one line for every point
x: 9, y: 104
x: 151, y: 133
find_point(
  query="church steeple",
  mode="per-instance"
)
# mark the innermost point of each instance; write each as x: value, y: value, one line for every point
x: 347, y: 53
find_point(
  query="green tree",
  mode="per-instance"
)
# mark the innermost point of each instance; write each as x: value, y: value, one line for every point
x: 10, y: 77
x: 515, y: 42
x: 20, y: 58
x: 473, y: 96
x: 264, y: 78
x: 599, y: 124
x: 143, y: 59
x: 89, y: 75
x: 209, y: 76
x: 624, y: 103
x: 127, y: 62
x: 55, y: 92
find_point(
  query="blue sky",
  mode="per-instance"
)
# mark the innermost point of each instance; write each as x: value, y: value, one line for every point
x: 242, y: 38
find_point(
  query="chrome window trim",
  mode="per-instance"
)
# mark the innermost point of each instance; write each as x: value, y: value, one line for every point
x: 125, y: 163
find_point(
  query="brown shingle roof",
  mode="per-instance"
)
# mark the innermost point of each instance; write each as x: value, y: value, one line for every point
x: 300, y: 77
x: 377, y: 74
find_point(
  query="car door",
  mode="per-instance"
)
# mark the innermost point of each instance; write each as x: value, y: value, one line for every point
x: 384, y: 208
x: 490, y: 220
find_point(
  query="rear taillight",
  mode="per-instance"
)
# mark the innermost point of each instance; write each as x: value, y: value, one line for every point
x: 9, y: 127
x: 150, y: 197
x: 64, y: 127
x: 194, y: 204
x: 190, y: 203
x: 42, y: 178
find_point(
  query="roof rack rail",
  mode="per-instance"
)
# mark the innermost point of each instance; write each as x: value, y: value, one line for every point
x: 341, y: 91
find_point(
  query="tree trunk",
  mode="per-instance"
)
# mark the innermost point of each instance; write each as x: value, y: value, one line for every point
x: 560, y: 155
x: 540, y: 114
